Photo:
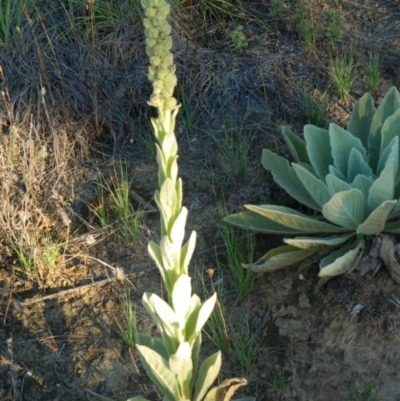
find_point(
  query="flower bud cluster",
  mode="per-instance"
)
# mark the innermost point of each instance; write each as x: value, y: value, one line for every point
x: 158, y: 48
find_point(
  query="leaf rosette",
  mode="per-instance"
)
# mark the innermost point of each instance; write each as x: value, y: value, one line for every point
x: 349, y: 178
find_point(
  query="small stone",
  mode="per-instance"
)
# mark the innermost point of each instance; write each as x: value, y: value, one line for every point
x: 304, y: 301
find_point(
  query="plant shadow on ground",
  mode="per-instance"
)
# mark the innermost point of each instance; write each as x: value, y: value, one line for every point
x: 73, y: 102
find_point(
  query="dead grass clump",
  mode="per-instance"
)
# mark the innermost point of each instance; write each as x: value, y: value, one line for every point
x: 68, y: 81
x: 41, y: 148
x: 37, y: 175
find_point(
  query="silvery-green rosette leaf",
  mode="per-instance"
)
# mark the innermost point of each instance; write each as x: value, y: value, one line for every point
x: 348, y: 178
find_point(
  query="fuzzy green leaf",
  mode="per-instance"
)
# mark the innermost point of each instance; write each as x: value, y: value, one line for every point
x: 168, y: 198
x: 390, y: 130
x: 357, y: 166
x: 205, y: 312
x: 177, y: 232
x: 388, y: 153
x: 393, y: 227
x: 347, y: 209
x: 361, y: 118
x: 165, y: 319
x: 169, y: 147
x: 196, y: 346
x: 395, y: 212
x: 389, y: 105
x: 375, y: 222
x: 363, y: 184
x: 161, y: 312
x: 181, y: 296
x: 337, y: 173
x: 392, y: 151
x: 336, y: 185
x: 314, y: 186
x: 278, y: 258
x: 152, y: 343
x: 285, y: 176
x: 162, y: 165
x: 296, y: 146
x: 164, y: 215
x: 172, y: 168
x: 208, y: 373
x: 181, y: 364
x: 253, y: 221
x: 383, y: 188
x: 342, y: 143
x: 295, y: 220
x: 197, y: 316
x: 318, y: 148
x: 191, y: 319
x: 155, y: 253
x: 340, y: 261
x: 178, y: 191
x: 318, y: 243
x: 187, y: 253
x: 169, y: 253
x: 306, y: 167
x: 157, y: 368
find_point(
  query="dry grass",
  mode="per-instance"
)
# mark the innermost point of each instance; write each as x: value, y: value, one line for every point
x: 39, y: 155
x: 62, y: 89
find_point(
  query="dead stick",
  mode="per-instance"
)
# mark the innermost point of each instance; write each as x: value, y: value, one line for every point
x: 141, y: 201
x: 20, y: 305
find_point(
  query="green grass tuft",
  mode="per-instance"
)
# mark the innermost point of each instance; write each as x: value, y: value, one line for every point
x: 315, y: 109
x: 246, y: 337
x: 235, y: 147
x: 343, y: 72
x: 128, y: 327
x: 115, y: 211
x: 216, y: 327
x: 374, y: 72
x: 363, y: 392
x: 333, y: 28
x: 239, y: 250
x: 308, y: 30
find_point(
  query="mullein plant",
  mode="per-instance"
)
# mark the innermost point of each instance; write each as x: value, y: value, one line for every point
x: 351, y: 180
x: 172, y: 363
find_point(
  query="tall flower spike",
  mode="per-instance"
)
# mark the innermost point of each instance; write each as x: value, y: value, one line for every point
x: 158, y: 46
x: 173, y: 363
x: 170, y: 256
